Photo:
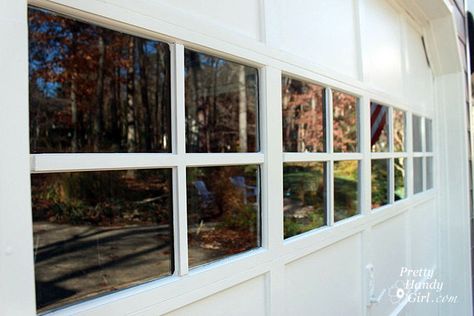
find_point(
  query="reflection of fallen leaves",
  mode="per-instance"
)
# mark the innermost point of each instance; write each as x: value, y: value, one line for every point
x: 226, y: 240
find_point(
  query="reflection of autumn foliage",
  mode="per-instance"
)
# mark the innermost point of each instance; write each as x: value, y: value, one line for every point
x: 303, y: 116
x: 94, y: 89
x: 345, y: 122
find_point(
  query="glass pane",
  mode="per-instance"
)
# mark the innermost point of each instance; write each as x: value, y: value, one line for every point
x: 378, y: 127
x: 400, y: 188
x: 399, y: 130
x: 429, y: 173
x: 345, y: 122
x: 304, y: 196
x: 428, y: 135
x: 303, y: 116
x: 96, y: 232
x: 417, y: 143
x: 221, y: 105
x: 417, y: 174
x: 223, y: 212
x: 380, y: 182
x: 96, y: 90
x: 346, y: 183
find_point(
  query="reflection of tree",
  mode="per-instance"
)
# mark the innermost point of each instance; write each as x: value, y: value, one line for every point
x: 94, y: 89
x: 399, y: 130
x: 345, y: 122
x: 221, y: 98
x: 303, y: 116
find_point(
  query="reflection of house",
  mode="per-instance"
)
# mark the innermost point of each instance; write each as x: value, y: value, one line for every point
x: 222, y: 157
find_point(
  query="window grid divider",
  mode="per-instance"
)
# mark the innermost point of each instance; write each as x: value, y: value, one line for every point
x: 330, y: 163
x: 409, y: 149
x: 391, y: 162
x: 365, y: 182
x: 271, y: 136
x: 178, y: 122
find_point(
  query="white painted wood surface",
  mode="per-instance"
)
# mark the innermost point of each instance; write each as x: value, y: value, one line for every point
x: 369, y: 48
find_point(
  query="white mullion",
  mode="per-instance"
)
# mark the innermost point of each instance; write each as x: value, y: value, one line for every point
x: 272, y: 169
x: 40, y: 163
x: 365, y: 180
x: 330, y: 164
x: 388, y: 155
x: 224, y: 159
x: 17, y: 289
x: 390, y: 136
x: 391, y: 180
x: 423, y: 149
x: 179, y: 173
x: 409, y: 149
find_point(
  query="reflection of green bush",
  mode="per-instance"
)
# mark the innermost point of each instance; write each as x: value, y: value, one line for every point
x: 345, y: 196
x: 294, y: 226
x: 243, y: 219
x: 379, y: 182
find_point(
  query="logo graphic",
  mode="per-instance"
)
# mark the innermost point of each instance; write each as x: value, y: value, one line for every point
x: 397, y: 292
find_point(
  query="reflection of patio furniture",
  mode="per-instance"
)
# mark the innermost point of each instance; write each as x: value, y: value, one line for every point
x: 206, y: 196
x: 248, y: 190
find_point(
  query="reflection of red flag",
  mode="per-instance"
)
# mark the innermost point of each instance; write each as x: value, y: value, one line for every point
x: 378, y: 118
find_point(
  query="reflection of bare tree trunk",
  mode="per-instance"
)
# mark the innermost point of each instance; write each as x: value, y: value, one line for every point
x: 157, y: 124
x: 285, y: 101
x: 114, y: 124
x: 194, y: 128
x: 98, y: 118
x: 166, y: 110
x: 74, y: 111
x: 144, y: 95
x: 130, y: 91
x: 242, y: 110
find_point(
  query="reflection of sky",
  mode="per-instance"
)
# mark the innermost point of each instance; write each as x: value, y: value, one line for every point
x: 50, y: 89
x: 50, y: 54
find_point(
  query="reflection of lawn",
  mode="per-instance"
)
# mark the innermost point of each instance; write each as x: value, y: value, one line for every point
x: 304, y: 199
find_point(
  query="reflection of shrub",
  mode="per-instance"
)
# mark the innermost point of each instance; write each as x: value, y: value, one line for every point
x: 244, y: 218
x: 102, y: 197
x: 345, y: 197
x: 294, y: 226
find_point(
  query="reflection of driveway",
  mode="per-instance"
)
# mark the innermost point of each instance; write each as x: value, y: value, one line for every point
x: 78, y: 261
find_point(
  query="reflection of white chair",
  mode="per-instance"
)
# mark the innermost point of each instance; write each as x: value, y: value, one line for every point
x: 248, y: 190
x: 203, y: 192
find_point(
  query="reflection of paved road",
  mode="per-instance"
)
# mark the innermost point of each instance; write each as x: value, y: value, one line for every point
x: 76, y: 261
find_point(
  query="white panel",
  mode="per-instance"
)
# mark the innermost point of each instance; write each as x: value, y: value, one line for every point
x: 417, y: 75
x: 389, y: 256
x: 241, y: 16
x: 423, y: 235
x: 382, y: 50
x: 244, y: 299
x: 323, y: 32
x: 327, y: 282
